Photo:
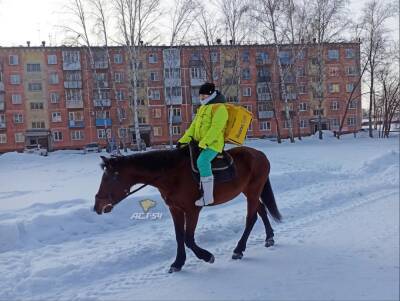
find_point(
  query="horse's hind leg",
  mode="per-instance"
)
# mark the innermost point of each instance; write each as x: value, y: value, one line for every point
x: 262, y: 212
x: 251, y: 218
x: 191, y: 223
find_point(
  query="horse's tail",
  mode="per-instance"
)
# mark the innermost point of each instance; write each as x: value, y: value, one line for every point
x: 268, y: 199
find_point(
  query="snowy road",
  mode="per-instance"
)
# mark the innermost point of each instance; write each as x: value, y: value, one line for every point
x: 339, y: 238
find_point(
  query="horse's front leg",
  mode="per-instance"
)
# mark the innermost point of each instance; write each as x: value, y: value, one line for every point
x: 192, y: 218
x: 178, y: 217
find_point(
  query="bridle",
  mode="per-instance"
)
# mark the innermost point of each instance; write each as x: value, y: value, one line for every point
x: 114, y: 179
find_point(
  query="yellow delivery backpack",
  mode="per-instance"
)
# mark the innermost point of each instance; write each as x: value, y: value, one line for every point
x: 238, y: 123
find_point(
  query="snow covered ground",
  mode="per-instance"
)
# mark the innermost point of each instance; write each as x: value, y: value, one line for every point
x: 339, y: 239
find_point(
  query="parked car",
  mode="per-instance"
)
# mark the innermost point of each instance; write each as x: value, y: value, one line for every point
x: 36, y: 149
x: 92, y: 148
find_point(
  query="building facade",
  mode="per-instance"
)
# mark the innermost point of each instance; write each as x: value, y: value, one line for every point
x: 54, y: 97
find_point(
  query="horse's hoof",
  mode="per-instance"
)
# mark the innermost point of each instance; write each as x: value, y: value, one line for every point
x: 237, y: 255
x: 174, y: 269
x: 269, y: 242
x: 212, y: 259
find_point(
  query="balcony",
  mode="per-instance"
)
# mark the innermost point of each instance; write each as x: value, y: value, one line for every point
x: 196, y: 63
x: 262, y: 62
x: 197, y: 81
x: 102, y: 102
x: 176, y: 119
x: 2, y: 87
x: 263, y: 96
x: 72, y: 124
x: 70, y: 66
x: 265, y: 114
x: 101, y: 64
x: 101, y: 85
x: 103, y: 122
x: 73, y: 84
x: 74, y: 104
x: 289, y: 96
x: 175, y: 100
x: 263, y: 79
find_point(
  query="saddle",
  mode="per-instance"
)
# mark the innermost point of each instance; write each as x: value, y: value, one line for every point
x: 223, y: 167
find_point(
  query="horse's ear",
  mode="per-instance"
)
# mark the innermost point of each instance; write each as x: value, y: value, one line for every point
x: 105, y: 159
x: 105, y: 162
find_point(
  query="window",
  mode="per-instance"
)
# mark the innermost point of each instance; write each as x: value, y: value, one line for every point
x: 53, y: 79
x: 13, y: 59
x: 301, y: 72
x: 118, y: 58
x: 34, y: 87
x: 265, y: 126
x: 71, y: 57
x: 154, y: 76
x: 317, y: 112
x: 19, y: 138
x: 349, y: 53
x: 214, y: 56
x: 33, y: 67
x: 16, y: 99
x: 123, y: 133
x: 36, y: 105
x: 302, y: 89
x: 176, y: 111
x: 176, y: 130
x: 153, y: 58
x: 140, y: 101
x: 57, y: 136
x: 246, y: 56
x: 351, y: 121
x: 38, y: 125
x: 73, y: 95
x: 287, y: 124
x: 154, y: 94
x: 73, y: 76
x: 284, y: 57
x: 156, y: 113
x: 76, y: 116
x: 301, y: 55
x: 197, y: 73
x: 232, y: 99
x: 119, y: 77
x: 349, y: 87
x: 54, y: 97
x: 247, y: 91
x: 176, y: 91
x: 353, y: 104
x: 334, y: 123
x: 56, y: 116
x: 335, y: 105
x: 333, y: 54
x: 172, y: 73
x: 76, y: 135
x: 246, y: 74
x: 157, y: 131
x: 2, y: 118
x: 303, y: 106
x: 52, y: 59
x: 142, y: 120
x: 103, y: 133
x: 303, y: 123
x: 102, y: 114
x: 18, y: 118
x: 334, y: 71
x: 352, y: 70
x: 333, y: 88
x: 120, y: 95
x: 15, y: 79
x: 262, y: 57
x: 3, y: 138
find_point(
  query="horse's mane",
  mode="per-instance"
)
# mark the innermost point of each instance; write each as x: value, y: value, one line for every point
x: 151, y: 160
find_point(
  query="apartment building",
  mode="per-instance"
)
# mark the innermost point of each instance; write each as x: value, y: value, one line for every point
x: 54, y: 96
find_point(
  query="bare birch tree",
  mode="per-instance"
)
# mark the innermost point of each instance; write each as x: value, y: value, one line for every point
x: 374, y: 40
x: 136, y: 19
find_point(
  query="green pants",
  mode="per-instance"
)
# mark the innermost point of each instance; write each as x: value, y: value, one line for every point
x: 204, y: 162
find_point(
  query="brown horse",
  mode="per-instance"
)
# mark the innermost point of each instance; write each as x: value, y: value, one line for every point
x: 170, y: 172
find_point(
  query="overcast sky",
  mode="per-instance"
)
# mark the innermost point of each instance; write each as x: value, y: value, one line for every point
x: 36, y: 20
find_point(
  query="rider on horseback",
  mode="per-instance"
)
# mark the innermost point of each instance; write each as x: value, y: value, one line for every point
x: 207, y: 129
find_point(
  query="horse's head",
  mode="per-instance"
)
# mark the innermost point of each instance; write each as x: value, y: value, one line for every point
x: 114, y: 187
